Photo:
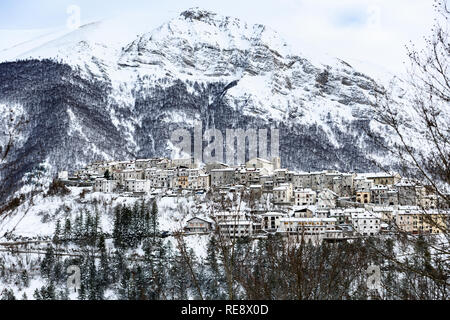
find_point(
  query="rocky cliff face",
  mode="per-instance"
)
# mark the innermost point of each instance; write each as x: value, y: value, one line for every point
x: 103, y: 102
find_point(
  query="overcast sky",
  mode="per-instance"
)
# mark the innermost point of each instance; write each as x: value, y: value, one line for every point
x: 371, y: 30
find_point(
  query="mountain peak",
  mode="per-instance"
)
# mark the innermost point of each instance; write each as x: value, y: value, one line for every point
x: 197, y: 14
x: 209, y: 17
x: 202, y: 43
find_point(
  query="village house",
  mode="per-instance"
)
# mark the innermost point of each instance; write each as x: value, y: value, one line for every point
x: 382, y: 178
x: 222, y: 177
x: 151, y: 174
x: 238, y: 188
x: 204, y: 182
x: 188, y: 163
x: 215, y: 166
x: 232, y: 224
x: 280, y: 176
x: 87, y: 174
x: 391, y: 198
x: 153, y: 163
x: 428, y: 201
x: 327, y: 199
x: 248, y: 176
x: 407, y: 193
x: 343, y: 185
x: 363, y: 196
x: 193, y: 178
x: 105, y: 168
x: 386, y: 214
x: 268, y: 186
x: 304, y: 197
x: 321, y: 212
x: 378, y: 194
x: 142, y: 164
x: 426, y: 198
x: 271, y: 221
x: 236, y: 228
x: 312, y: 230
x: 124, y: 165
x: 290, y: 176
x: 167, y: 179
x: 318, y: 180
x: 264, y: 178
x: 302, y: 180
x: 364, y: 222
x: 342, y: 216
x: 230, y: 216
x: 384, y: 195
x: 415, y: 220
x: 283, y: 194
x: 182, y: 179
x: 328, y: 179
x: 104, y: 185
x: 303, y: 211
x: 138, y: 185
x: 160, y: 179
x: 164, y: 164
x: 199, y: 224
x: 128, y: 174
x: 360, y: 183
x: 255, y: 191
x: 258, y: 163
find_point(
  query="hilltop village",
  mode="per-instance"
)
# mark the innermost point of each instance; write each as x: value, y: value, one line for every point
x: 326, y: 205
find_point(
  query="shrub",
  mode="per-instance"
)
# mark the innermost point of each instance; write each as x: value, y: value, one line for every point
x: 57, y: 188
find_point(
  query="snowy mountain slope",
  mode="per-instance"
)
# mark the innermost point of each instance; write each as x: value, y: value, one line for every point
x: 120, y: 94
x: 16, y: 42
x: 37, y: 217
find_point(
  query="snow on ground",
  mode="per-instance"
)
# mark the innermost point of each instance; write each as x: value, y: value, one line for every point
x: 38, y: 216
x: 198, y: 243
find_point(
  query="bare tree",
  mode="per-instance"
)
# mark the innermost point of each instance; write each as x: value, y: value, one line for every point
x: 420, y: 124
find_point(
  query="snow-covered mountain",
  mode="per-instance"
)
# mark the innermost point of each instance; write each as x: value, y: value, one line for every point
x: 104, y: 92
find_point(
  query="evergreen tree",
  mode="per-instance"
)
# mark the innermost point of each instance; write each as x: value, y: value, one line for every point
x: 95, y: 291
x: 124, y: 288
x: 179, y: 279
x: 37, y: 295
x: 154, y: 219
x: 117, y: 231
x: 146, y: 214
x: 8, y: 294
x: 58, y: 272
x: 212, y: 270
x: 88, y: 230
x: 104, y: 263
x: 140, y: 284
x: 48, y: 262
x: 25, y: 278
x: 57, y: 234
x: 67, y: 230
x: 63, y: 294
x: 82, y: 293
x: 78, y: 231
x: 50, y: 292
